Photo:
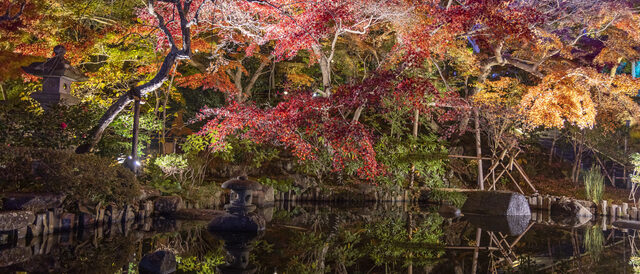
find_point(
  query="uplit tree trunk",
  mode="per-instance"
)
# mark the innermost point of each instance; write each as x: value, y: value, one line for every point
x: 553, y: 146
x: 578, y: 148
x: 325, y: 70
x: 175, y: 54
x: 3, y: 92
x: 163, y: 139
x: 245, y: 92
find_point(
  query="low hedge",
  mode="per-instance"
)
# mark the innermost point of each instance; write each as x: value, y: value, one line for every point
x: 82, y: 177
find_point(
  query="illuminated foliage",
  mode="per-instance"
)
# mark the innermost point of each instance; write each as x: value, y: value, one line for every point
x: 580, y: 97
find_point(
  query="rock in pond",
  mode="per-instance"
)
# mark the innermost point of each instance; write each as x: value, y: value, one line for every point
x: 31, y: 201
x: 628, y: 224
x: 510, y: 224
x: 167, y: 205
x: 264, y: 197
x: 148, y: 193
x: 159, y: 262
x: 496, y: 203
x: 570, y: 212
x: 449, y: 211
x: 15, y: 219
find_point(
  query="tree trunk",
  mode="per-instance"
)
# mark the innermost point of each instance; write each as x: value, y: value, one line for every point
x: 248, y: 90
x: 577, y: 162
x: 124, y: 100
x: 4, y: 93
x: 553, y: 146
x: 325, y: 69
x: 164, y: 112
x: 357, y: 114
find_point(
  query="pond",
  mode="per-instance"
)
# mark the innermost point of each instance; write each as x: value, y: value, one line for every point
x: 320, y: 238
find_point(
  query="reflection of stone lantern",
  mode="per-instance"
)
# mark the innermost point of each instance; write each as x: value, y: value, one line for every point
x: 239, y: 216
x: 239, y: 226
x: 57, y: 76
x: 238, y: 247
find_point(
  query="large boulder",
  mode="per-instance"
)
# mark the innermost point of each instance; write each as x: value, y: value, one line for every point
x: 37, y: 202
x: 449, y: 211
x: 510, y: 224
x: 148, y: 193
x: 159, y: 262
x: 264, y: 197
x: 570, y: 212
x: 167, y: 205
x: 11, y: 220
x: 496, y: 203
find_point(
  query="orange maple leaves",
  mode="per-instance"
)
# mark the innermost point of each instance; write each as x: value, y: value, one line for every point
x: 580, y: 97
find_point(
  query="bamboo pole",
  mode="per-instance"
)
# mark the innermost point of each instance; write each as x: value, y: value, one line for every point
x: 476, y: 113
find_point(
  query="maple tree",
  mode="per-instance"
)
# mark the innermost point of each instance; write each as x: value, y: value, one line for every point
x: 310, y: 126
x: 317, y: 26
x: 348, y: 81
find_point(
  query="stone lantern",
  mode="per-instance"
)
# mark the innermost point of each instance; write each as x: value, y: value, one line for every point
x: 57, y: 75
x: 239, y: 216
x: 241, y: 193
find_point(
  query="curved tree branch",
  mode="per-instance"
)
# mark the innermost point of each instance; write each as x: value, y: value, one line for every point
x: 156, y: 82
x: 7, y: 14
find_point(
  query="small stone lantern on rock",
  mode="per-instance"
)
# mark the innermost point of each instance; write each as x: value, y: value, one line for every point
x: 239, y: 216
x: 241, y: 193
x: 57, y: 75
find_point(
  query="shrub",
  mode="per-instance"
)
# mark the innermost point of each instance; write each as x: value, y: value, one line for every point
x: 82, y: 177
x: 594, y: 184
x: 172, y: 164
x: 60, y: 127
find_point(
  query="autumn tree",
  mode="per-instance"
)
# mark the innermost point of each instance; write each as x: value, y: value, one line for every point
x: 535, y: 43
x: 317, y: 26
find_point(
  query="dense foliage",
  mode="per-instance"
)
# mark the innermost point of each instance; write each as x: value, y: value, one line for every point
x: 89, y: 179
x: 375, y: 91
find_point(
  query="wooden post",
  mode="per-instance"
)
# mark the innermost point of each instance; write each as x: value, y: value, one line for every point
x: 416, y: 118
x: 627, y: 183
x: 133, y: 164
x: 478, y: 148
x: 474, y: 265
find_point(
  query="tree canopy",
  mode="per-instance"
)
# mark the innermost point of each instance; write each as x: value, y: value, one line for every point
x: 339, y: 79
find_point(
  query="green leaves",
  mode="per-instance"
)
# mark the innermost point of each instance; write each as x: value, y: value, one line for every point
x: 594, y: 184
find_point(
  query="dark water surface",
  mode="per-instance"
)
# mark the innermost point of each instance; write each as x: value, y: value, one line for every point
x: 364, y: 238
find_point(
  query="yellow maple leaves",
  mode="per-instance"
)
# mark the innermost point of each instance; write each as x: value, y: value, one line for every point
x: 580, y: 97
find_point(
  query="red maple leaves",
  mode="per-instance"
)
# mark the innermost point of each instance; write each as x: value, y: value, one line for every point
x: 306, y: 124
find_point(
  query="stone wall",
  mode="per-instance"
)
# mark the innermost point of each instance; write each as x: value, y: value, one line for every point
x: 26, y: 220
x: 621, y: 211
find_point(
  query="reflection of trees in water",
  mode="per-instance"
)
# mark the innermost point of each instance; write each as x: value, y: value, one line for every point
x: 197, y: 250
x: 321, y: 240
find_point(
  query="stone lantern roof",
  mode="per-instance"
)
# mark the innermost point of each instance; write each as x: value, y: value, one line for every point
x: 241, y: 183
x: 57, y: 75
